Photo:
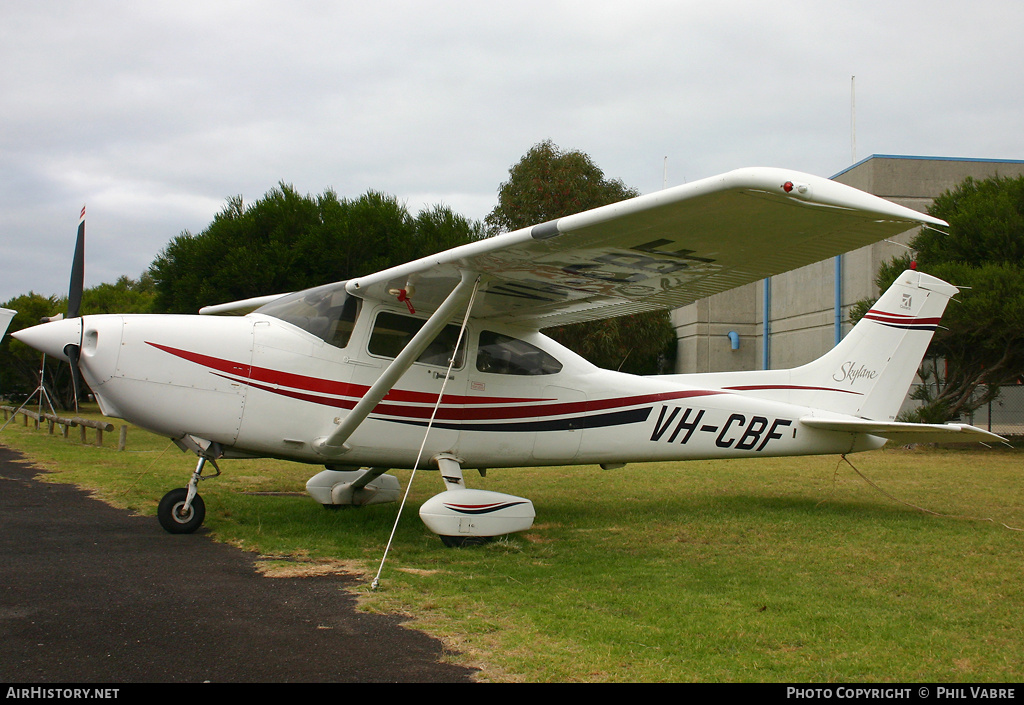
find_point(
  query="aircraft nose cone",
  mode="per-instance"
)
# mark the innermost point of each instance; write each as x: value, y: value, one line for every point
x: 51, y: 338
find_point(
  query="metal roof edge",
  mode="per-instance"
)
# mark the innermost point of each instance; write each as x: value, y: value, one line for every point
x: 919, y: 158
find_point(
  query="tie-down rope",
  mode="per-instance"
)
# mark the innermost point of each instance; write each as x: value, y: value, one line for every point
x: 844, y: 459
x: 430, y: 423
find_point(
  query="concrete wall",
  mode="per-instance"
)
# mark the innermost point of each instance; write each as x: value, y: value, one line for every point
x: 802, y: 302
x: 703, y: 331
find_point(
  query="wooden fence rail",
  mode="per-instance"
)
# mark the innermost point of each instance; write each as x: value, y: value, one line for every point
x: 67, y: 423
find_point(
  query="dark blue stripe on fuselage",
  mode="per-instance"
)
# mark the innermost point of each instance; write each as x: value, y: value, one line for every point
x: 615, y: 418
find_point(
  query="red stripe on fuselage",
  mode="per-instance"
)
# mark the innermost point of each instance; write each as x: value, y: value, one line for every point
x: 455, y: 408
x: 324, y: 386
x: 764, y: 387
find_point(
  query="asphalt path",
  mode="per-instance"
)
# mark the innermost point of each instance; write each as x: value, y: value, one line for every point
x: 93, y: 594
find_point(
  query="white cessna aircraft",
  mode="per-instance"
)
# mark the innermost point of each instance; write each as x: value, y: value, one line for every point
x: 442, y: 359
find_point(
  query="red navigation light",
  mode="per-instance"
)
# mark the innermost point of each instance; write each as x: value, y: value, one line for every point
x: 787, y: 187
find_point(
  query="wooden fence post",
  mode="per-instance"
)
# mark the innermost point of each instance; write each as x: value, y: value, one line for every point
x: 66, y: 423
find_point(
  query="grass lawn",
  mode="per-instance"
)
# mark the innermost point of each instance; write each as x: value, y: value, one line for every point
x: 773, y: 570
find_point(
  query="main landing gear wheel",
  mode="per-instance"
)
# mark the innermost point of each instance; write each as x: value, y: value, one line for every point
x: 173, y: 516
x: 461, y: 541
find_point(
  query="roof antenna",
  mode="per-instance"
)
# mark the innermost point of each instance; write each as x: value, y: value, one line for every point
x: 853, y: 119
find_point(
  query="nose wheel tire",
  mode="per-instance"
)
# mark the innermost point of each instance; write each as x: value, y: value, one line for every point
x: 175, y: 518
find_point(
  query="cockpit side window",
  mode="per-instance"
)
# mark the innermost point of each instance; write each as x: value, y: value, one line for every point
x: 503, y: 355
x: 393, y: 331
x: 328, y: 312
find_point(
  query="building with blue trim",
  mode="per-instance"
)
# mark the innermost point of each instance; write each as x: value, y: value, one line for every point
x: 793, y: 318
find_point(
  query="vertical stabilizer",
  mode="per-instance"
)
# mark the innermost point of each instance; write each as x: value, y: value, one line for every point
x: 869, y: 372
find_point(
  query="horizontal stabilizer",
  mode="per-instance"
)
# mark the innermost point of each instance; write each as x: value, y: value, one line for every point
x: 906, y: 432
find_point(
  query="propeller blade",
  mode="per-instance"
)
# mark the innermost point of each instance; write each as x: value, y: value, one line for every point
x: 75, y: 289
x: 77, y: 271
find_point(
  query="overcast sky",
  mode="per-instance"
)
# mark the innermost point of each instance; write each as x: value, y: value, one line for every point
x: 154, y: 113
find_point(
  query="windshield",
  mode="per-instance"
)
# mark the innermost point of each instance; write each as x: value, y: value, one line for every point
x: 328, y: 312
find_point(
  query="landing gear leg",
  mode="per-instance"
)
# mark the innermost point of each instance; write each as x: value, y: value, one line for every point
x: 182, y: 510
x: 451, y: 471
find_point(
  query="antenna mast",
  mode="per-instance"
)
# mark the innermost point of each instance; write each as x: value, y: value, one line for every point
x: 853, y: 119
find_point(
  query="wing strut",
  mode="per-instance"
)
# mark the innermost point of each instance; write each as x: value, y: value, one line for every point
x: 419, y: 455
x: 334, y: 444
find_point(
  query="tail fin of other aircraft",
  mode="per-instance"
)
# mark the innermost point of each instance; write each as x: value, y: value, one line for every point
x: 6, y: 315
x: 868, y: 373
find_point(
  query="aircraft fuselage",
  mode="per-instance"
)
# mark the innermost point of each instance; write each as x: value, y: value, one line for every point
x: 260, y: 386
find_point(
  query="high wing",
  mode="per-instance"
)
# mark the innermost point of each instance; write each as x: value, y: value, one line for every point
x: 662, y: 250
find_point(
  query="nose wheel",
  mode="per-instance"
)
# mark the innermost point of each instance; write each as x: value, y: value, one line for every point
x: 179, y: 517
x: 182, y: 510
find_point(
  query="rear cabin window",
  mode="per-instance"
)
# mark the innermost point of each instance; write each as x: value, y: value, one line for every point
x: 328, y: 312
x: 503, y: 355
x: 393, y: 331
